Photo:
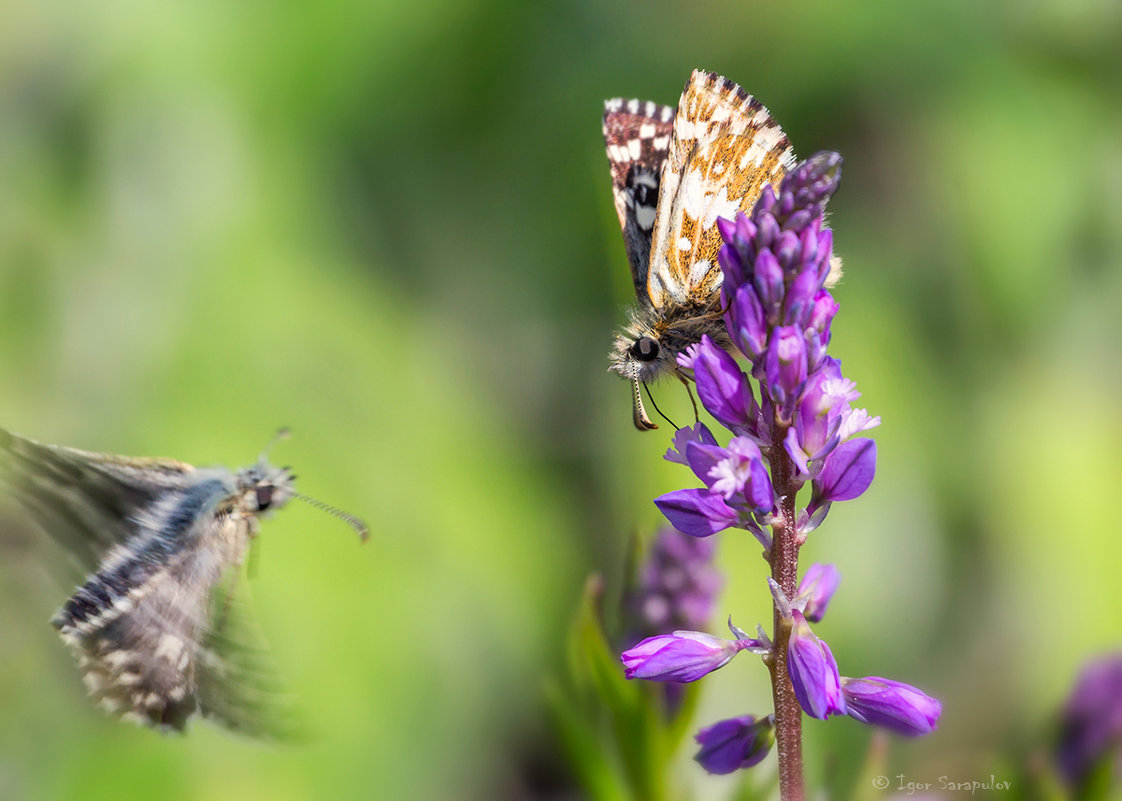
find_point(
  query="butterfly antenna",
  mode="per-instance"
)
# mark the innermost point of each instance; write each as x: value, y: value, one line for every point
x: 282, y: 434
x: 355, y: 523
x: 650, y: 397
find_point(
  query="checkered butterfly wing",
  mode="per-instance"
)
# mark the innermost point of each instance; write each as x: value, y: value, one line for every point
x: 724, y: 150
x: 637, y: 137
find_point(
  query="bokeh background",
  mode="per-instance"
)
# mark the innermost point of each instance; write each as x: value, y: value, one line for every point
x: 389, y: 227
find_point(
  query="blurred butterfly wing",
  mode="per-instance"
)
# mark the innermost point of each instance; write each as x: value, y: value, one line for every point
x: 725, y: 148
x: 88, y: 502
x: 136, y: 623
x: 637, y: 137
x: 237, y: 680
x: 137, y: 652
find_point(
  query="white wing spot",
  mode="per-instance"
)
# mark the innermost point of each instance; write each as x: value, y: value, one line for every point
x: 169, y: 648
x: 698, y: 270
x: 684, y: 244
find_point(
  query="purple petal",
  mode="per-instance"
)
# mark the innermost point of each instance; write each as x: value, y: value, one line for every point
x: 768, y: 276
x: 735, y: 743
x: 721, y: 385
x: 696, y: 512
x: 846, y: 473
x: 813, y: 672
x: 820, y: 582
x: 785, y: 364
x: 703, y: 458
x: 746, y: 322
x: 891, y: 705
x: 698, y: 432
x: 683, y: 656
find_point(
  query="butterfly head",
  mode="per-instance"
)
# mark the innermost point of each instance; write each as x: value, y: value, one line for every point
x: 640, y: 355
x: 266, y: 487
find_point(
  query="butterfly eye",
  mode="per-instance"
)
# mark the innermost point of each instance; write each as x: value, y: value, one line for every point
x: 264, y: 496
x: 645, y: 349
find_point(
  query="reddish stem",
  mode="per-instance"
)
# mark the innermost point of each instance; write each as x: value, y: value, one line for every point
x: 785, y: 571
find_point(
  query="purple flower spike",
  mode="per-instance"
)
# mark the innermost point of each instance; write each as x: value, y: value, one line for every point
x: 811, y: 184
x: 813, y: 672
x: 696, y: 512
x: 846, y: 474
x: 682, y: 656
x: 721, y: 385
x: 818, y: 586
x: 891, y: 704
x: 734, y: 744
x: 674, y: 587
x: 1091, y: 722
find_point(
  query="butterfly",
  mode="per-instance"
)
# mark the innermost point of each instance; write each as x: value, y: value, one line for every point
x: 160, y: 627
x: 674, y: 173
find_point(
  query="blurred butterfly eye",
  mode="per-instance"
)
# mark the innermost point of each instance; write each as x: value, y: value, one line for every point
x: 264, y: 496
x: 645, y: 349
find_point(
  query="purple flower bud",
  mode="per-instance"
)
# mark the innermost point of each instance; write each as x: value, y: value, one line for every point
x: 766, y: 206
x: 809, y: 185
x: 818, y: 586
x: 682, y: 656
x: 822, y: 314
x: 721, y: 385
x: 813, y: 672
x: 733, y: 261
x: 788, y: 250
x: 767, y: 275
x: 799, y: 301
x: 891, y: 704
x: 746, y: 321
x: 824, y: 253
x: 846, y: 473
x: 815, y: 350
x: 698, y: 432
x: 696, y: 512
x: 786, y: 363
x: 735, y: 743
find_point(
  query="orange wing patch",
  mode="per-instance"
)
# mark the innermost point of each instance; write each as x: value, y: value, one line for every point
x: 725, y: 148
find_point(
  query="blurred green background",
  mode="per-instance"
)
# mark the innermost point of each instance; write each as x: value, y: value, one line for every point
x: 389, y: 227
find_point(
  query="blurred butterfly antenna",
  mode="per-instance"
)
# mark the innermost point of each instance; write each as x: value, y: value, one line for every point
x: 358, y: 525
x: 650, y: 397
x: 282, y: 434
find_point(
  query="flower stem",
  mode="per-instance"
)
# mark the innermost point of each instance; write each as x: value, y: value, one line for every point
x: 785, y: 571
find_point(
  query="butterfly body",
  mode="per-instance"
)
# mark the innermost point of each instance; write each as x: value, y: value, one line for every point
x: 157, y: 627
x: 712, y: 157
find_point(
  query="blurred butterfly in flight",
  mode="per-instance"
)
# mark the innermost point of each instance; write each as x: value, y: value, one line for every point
x: 160, y: 628
x: 674, y: 172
